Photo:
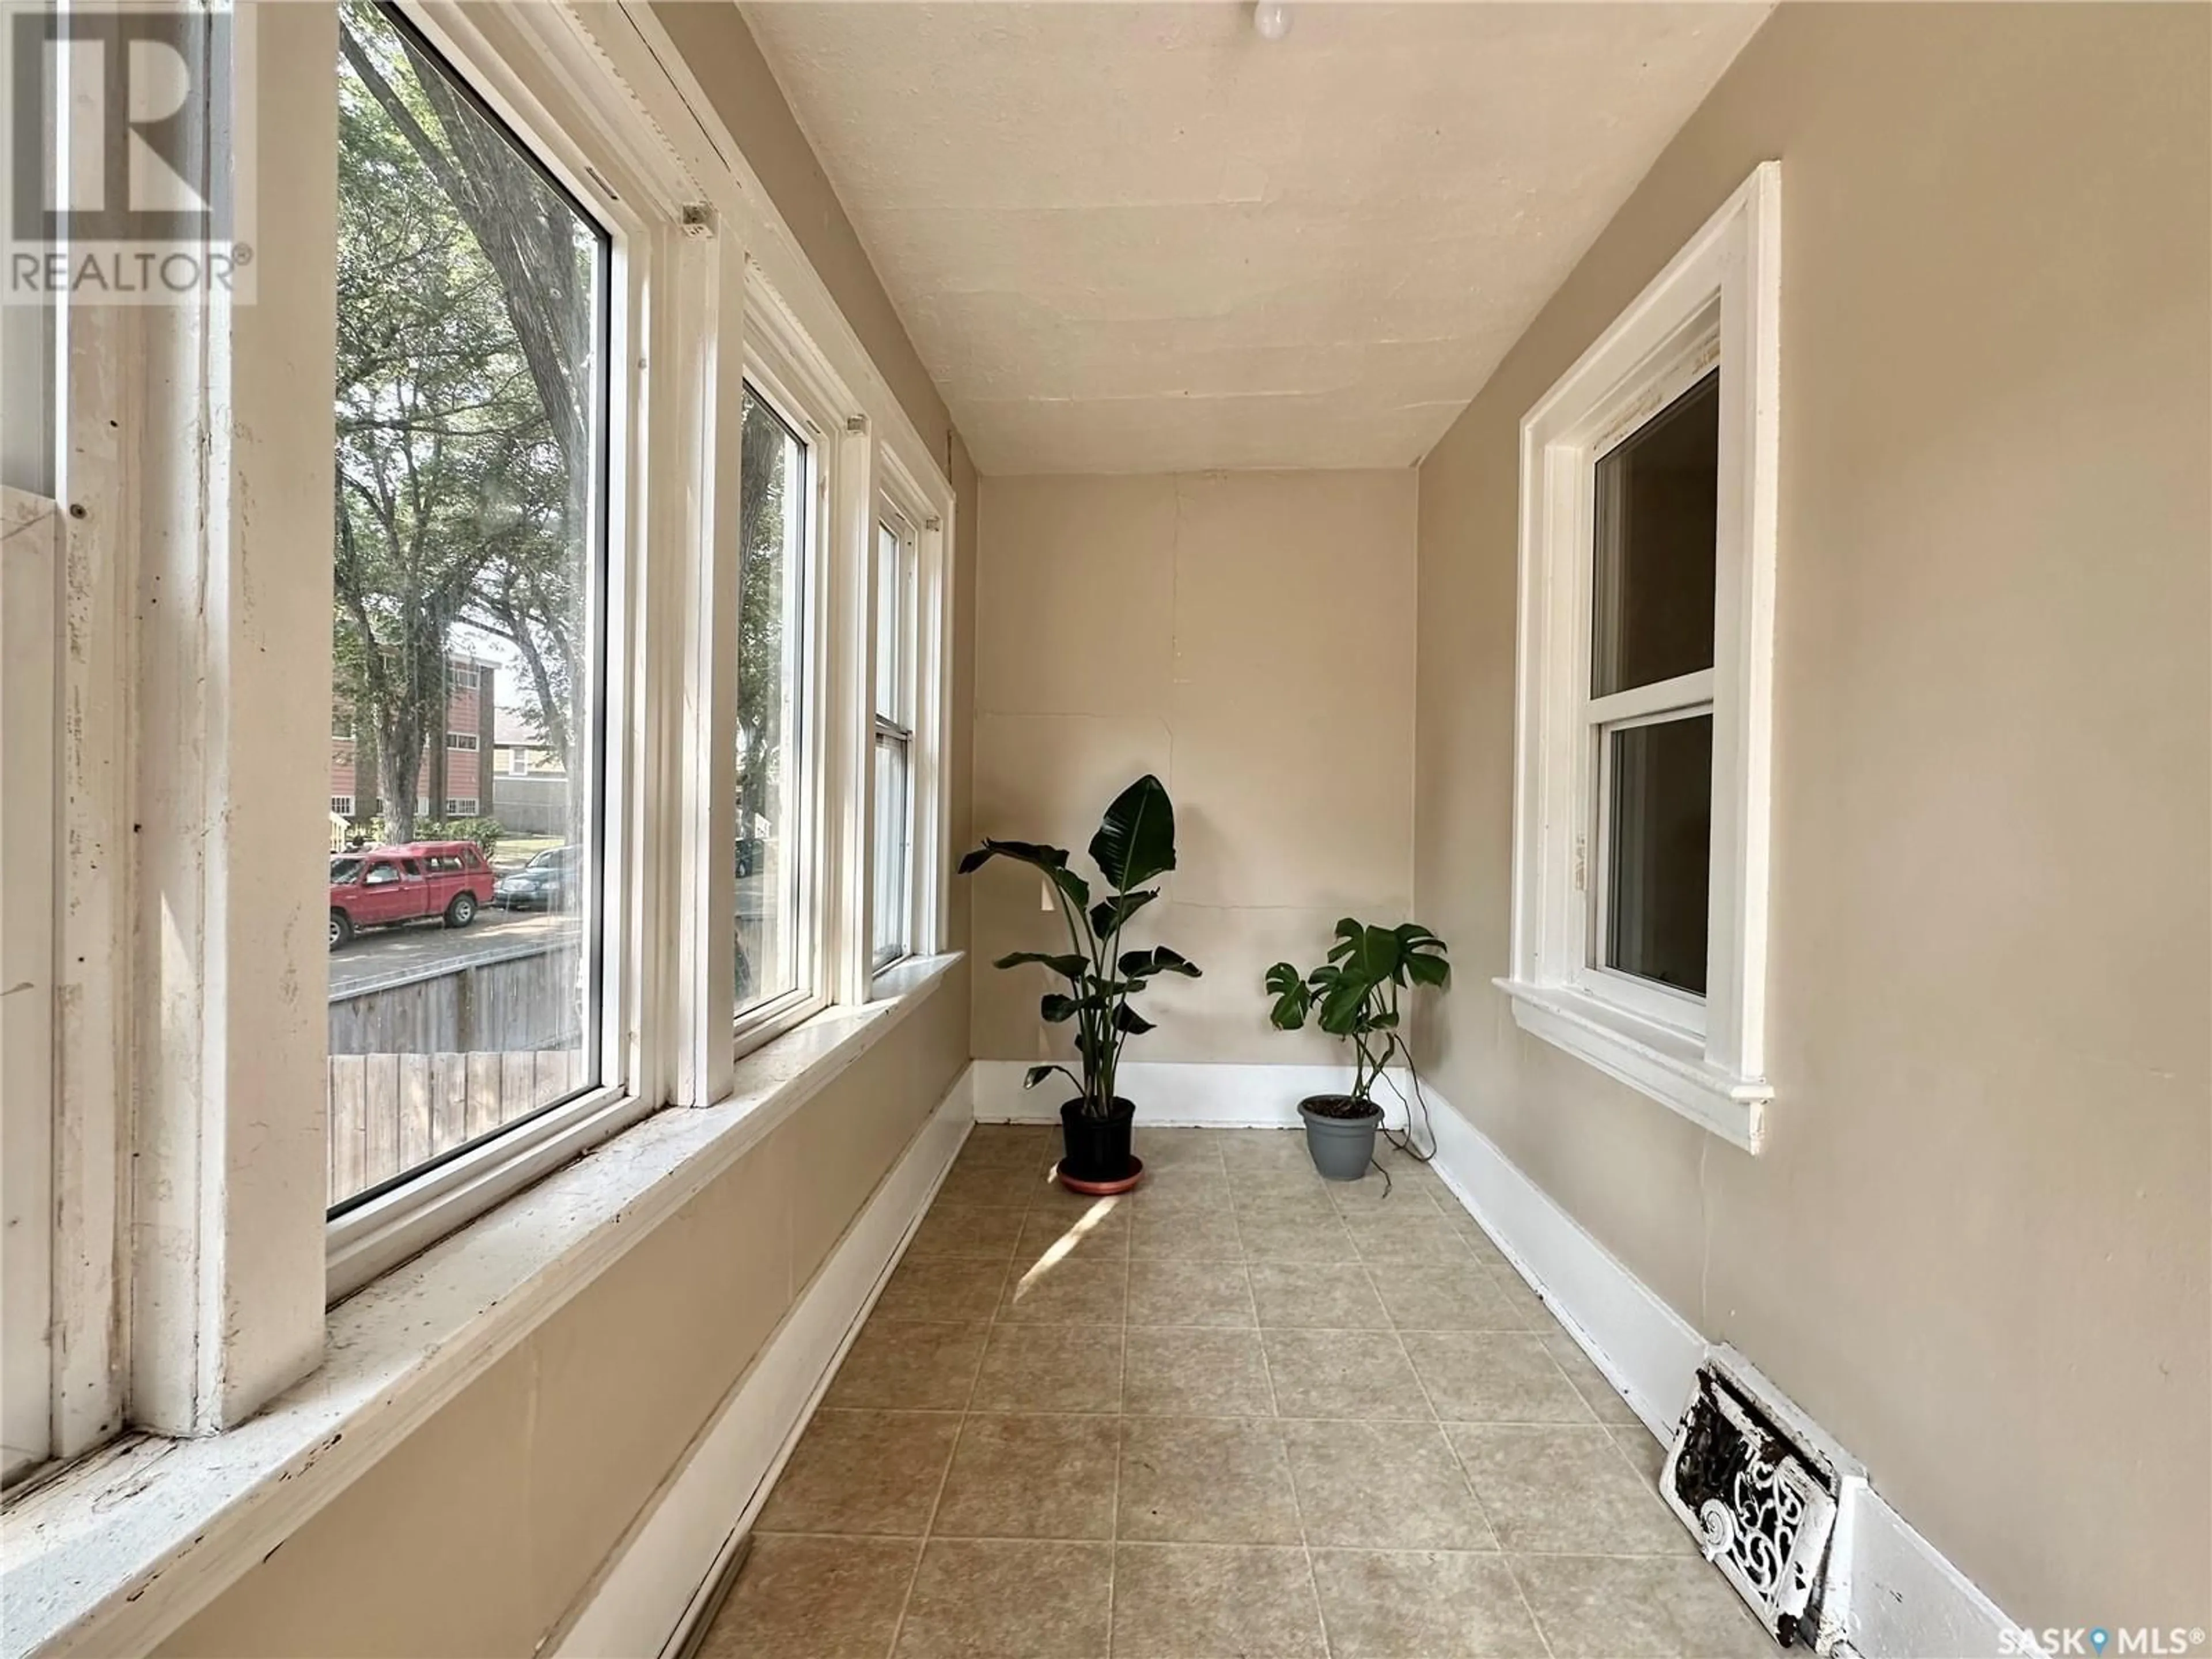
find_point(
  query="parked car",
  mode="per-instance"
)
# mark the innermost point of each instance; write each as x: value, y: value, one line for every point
x: 380, y: 886
x: 549, y: 881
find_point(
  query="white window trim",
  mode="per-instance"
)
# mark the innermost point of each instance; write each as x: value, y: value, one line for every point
x: 1725, y: 284
x: 461, y: 740
x: 105, y: 417
x: 220, y: 1289
x: 795, y: 380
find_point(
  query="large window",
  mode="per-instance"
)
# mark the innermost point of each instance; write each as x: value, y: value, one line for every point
x: 1639, y: 929
x: 777, y: 509
x: 537, y: 339
x: 891, y: 860
x: 469, y: 566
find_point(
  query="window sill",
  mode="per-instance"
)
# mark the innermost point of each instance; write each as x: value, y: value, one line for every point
x: 112, y: 1554
x: 1669, y: 1067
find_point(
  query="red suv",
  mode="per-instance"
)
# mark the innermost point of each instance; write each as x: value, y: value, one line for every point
x: 424, y: 878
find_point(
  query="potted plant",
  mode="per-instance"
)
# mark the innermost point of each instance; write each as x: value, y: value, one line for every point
x: 1135, y: 844
x: 1354, y: 995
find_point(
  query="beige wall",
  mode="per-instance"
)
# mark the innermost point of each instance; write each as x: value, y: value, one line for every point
x: 476, y: 1536
x: 1976, y: 1247
x: 1248, y: 636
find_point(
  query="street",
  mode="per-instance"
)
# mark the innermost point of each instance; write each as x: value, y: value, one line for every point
x: 378, y: 953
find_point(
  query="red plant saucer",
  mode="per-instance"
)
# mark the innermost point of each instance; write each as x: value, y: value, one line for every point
x: 1101, y: 1188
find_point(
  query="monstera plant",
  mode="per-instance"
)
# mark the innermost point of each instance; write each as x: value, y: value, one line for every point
x: 1134, y: 846
x: 1355, y: 996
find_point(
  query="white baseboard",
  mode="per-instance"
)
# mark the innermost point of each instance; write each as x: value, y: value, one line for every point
x: 1909, y: 1602
x: 1207, y: 1095
x: 647, y: 1596
x: 1904, y: 1598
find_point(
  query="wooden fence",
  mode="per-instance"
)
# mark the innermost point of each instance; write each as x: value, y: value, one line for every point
x: 529, y: 996
x: 392, y: 1112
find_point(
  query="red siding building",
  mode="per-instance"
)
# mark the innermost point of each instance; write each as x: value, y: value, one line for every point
x: 454, y: 779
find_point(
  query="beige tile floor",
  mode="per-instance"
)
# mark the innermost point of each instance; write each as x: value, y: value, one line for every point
x: 1241, y: 1413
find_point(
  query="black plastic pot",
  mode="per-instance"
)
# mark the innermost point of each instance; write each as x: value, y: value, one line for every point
x: 1097, y: 1148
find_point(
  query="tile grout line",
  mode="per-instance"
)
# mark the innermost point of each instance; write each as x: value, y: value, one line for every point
x: 1289, y: 1472
x: 944, y: 1475
x: 1200, y: 1543
x: 1546, y: 1423
x: 1177, y: 1544
x: 1520, y: 1591
x: 1121, y: 1423
x: 1120, y: 1388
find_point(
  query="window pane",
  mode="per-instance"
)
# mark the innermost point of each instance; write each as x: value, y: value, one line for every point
x: 467, y: 569
x: 891, y: 625
x: 774, y: 510
x: 1651, y: 615
x: 891, y: 855
x: 1660, y: 848
x: 894, y: 762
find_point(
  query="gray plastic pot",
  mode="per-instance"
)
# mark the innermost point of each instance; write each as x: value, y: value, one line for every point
x: 1341, y: 1147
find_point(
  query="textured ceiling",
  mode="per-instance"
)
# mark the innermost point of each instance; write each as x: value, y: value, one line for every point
x: 1139, y: 238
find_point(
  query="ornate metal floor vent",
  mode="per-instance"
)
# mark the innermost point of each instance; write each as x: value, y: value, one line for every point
x: 1762, y: 1488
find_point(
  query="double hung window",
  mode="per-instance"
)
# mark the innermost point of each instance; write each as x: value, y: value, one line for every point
x: 890, y: 861
x: 781, y: 506
x: 1647, y: 555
